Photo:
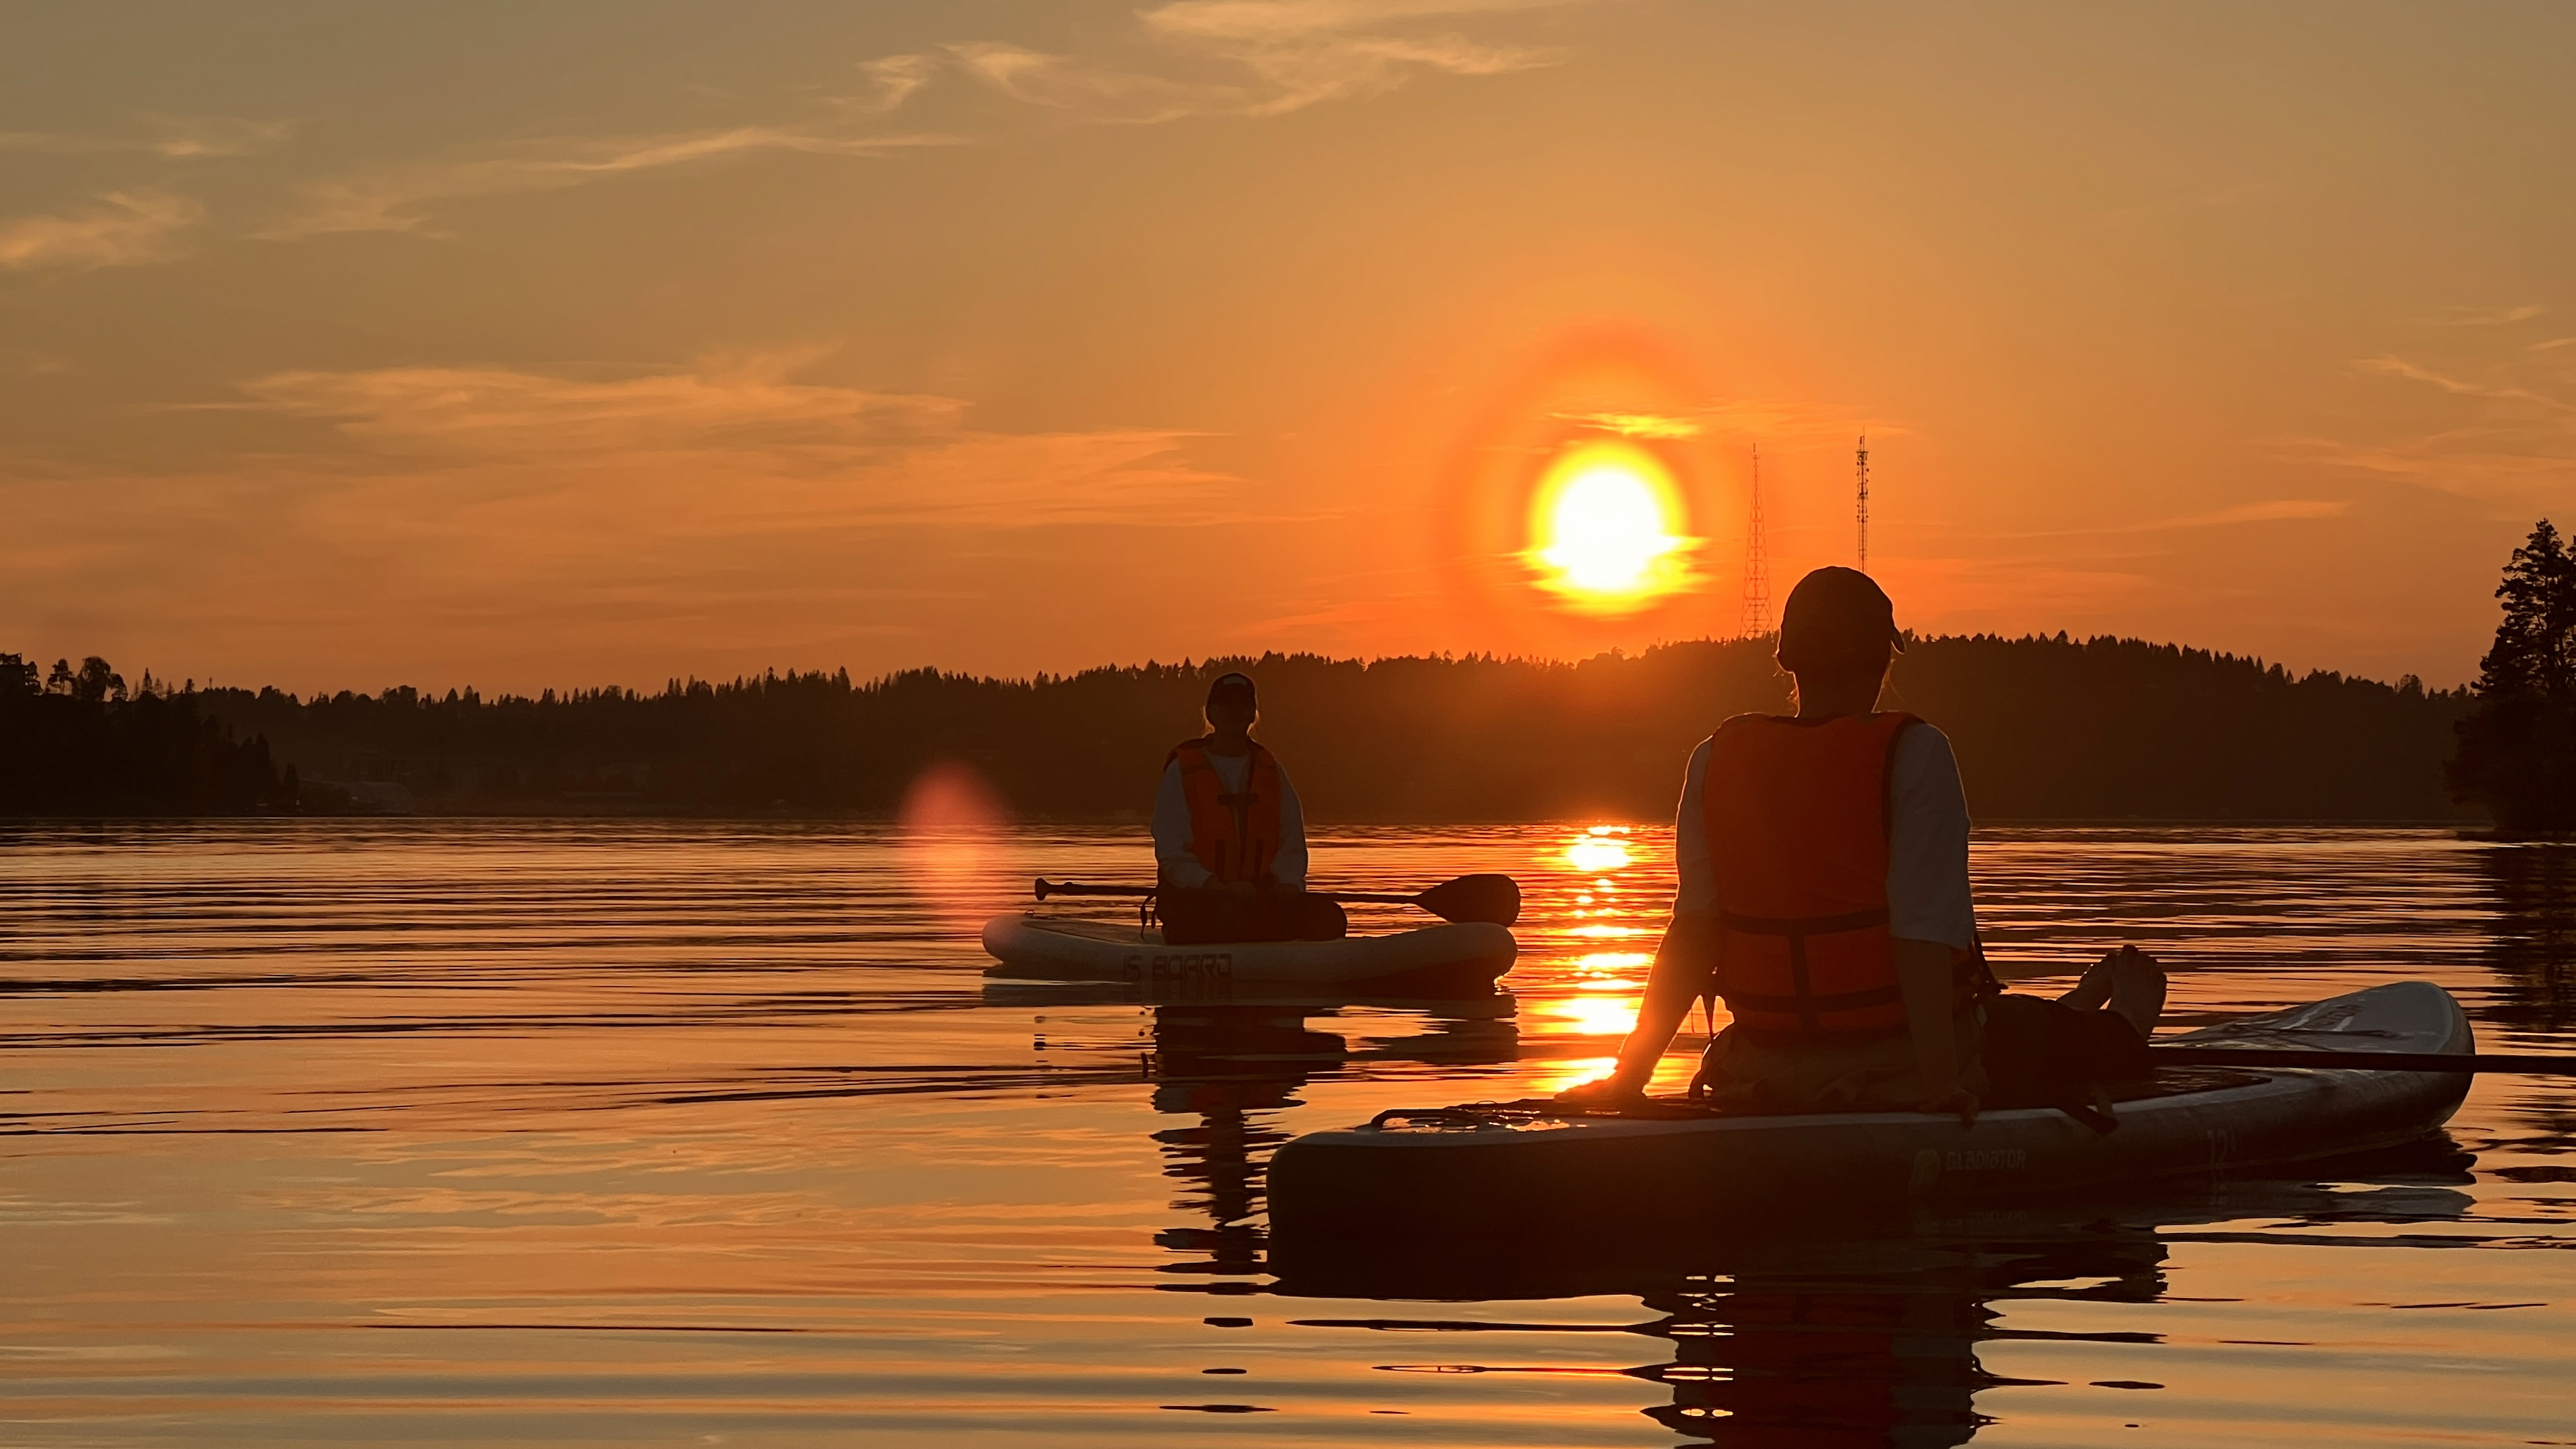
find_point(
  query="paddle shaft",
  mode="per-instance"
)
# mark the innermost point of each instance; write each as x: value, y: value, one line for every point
x: 1048, y: 888
x: 2257, y: 1058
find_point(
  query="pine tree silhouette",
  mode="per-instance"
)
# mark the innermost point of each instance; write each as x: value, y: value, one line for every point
x: 2518, y: 744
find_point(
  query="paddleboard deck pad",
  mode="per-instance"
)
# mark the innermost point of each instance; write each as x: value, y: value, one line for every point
x: 1430, y: 961
x: 1533, y: 1166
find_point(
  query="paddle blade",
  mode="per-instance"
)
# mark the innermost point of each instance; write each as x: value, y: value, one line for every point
x: 1495, y: 898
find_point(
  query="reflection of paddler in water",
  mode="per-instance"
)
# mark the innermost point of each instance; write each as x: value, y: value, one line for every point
x: 1824, y: 897
x: 1871, y: 1344
x: 1230, y: 836
x: 1228, y: 1062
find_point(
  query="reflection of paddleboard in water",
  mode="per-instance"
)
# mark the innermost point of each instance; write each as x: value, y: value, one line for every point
x: 1536, y: 1165
x: 1458, y: 958
x: 1828, y: 1339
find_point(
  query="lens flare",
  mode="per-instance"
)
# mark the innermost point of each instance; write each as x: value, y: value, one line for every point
x: 954, y: 843
x: 1604, y: 529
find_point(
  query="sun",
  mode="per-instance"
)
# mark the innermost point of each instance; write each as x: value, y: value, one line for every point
x: 1605, y: 529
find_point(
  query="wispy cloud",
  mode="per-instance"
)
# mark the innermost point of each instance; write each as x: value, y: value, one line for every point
x: 889, y: 82
x: 2473, y: 462
x: 1790, y: 423
x: 508, y: 412
x: 736, y: 444
x: 1204, y: 57
x: 399, y: 198
x: 499, y: 510
x: 125, y: 228
x: 1256, y: 58
x: 2269, y: 510
x: 1636, y: 425
x: 2460, y: 386
x: 2486, y: 316
x: 2491, y: 421
x: 177, y: 138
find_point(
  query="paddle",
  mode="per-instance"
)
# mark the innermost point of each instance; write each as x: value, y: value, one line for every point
x: 2256, y: 1057
x: 1494, y: 898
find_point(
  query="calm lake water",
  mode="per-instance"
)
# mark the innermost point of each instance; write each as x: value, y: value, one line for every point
x: 643, y: 1134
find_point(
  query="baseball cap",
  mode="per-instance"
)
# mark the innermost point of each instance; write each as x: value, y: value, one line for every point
x: 1834, y: 613
x: 1235, y: 684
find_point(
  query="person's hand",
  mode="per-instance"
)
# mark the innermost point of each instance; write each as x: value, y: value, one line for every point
x: 1957, y: 1099
x: 1605, y: 1093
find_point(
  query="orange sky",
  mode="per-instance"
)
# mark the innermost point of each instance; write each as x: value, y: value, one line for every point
x: 580, y: 344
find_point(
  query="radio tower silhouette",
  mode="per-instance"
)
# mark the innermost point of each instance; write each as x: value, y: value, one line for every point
x: 1863, y: 468
x: 1757, y: 566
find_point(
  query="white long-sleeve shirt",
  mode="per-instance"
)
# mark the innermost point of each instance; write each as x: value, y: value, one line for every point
x: 1172, y: 825
x: 1927, y: 843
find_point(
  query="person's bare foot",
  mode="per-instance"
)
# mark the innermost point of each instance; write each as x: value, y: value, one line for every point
x: 2094, y: 991
x: 2138, y: 989
x: 2127, y: 981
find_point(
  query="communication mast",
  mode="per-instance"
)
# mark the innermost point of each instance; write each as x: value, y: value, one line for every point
x: 1757, y: 566
x: 1863, y: 468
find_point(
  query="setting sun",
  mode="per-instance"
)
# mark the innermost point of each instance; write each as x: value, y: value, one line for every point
x: 1604, y: 529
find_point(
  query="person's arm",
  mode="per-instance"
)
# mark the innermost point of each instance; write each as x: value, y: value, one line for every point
x: 1172, y: 832
x: 1289, y: 867
x: 1930, y: 910
x: 1923, y: 975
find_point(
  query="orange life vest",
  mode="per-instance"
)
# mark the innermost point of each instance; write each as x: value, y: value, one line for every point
x: 1235, y: 836
x: 1797, y: 815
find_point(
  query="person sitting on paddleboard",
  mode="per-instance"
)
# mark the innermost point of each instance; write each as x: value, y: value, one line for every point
x: 1230, y: 836
x: 1824, y: 895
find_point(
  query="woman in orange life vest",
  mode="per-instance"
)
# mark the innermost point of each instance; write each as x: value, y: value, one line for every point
x: 1230, y: 836
x: 1824, y: 894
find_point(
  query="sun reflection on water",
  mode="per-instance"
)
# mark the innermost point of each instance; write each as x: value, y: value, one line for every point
x: 1583, y: 982
x: 1598, y: 851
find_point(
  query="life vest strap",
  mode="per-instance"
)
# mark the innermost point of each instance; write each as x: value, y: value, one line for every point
x: 1743, y: 1001
x: 1795, y: 926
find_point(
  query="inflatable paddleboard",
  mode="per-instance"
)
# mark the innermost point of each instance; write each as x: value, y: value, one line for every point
x: 1524, y: 1167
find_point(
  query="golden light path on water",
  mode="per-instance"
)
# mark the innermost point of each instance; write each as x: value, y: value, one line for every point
x: 517, y: 1133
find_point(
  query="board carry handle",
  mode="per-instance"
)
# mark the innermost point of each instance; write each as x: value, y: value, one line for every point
x: 1046, y: 888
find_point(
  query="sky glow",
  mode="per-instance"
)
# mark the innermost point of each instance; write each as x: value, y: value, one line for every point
x: 1034, y: 336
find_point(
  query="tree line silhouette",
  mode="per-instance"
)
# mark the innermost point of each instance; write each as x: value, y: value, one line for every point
x: 79, y: 742
x: 2518, y: 745
x: 2047, y: 728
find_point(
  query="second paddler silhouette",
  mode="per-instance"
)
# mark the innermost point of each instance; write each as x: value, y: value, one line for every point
x: 1230, y: 836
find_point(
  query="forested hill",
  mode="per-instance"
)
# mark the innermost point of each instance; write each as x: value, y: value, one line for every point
x: 2046, y: 729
